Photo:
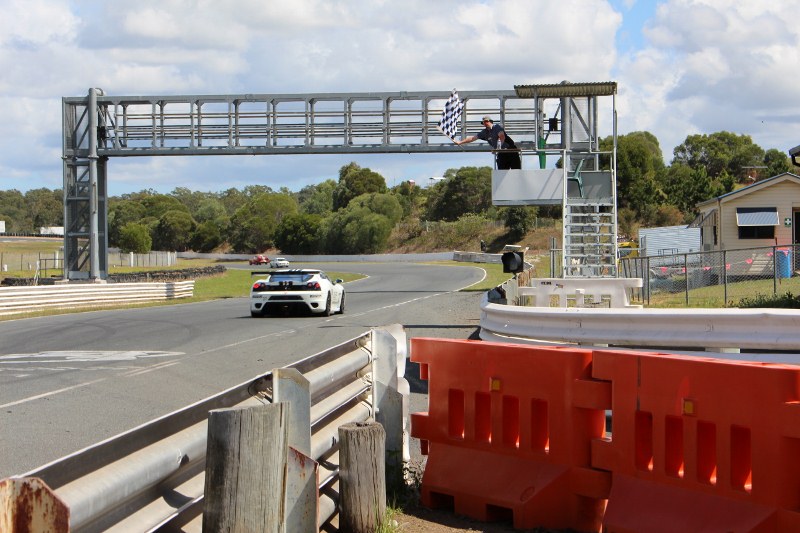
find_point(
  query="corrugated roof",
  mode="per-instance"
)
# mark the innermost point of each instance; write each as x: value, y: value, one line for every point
x: 566, y: 89
x: 756, y: 216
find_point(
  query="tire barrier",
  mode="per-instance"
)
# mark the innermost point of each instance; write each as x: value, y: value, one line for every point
x: 698, y: 444
x: 508, y: 433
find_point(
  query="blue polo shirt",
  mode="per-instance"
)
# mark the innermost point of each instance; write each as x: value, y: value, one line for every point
x: 491, y: 135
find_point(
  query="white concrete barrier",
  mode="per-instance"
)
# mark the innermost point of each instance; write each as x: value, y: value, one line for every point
x: 16, y: 300
x: 580, y: 292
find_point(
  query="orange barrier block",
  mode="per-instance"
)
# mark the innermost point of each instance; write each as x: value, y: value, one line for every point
x: 509, y: 430
x: 700, y: 444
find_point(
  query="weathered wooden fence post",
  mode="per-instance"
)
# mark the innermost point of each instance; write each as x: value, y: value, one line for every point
x: 362, y: 477
x: 28, y: 504
x: 246, y: 469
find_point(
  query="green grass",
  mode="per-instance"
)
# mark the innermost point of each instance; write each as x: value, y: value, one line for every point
x: 235, y: 283
x: 494, y: 274
x: 45, y: 246
x: 714, y: 296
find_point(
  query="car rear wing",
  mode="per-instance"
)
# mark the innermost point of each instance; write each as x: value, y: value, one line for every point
x: 285, y: 271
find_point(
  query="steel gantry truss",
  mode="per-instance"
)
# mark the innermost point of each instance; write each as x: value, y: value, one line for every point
x: 98, y: 126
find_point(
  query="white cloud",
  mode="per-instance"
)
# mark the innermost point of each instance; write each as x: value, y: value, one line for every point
x: 719, y: 65
x: 36, y: 23
x: 704, y: 66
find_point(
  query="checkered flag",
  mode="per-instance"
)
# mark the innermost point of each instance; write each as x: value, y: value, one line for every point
x: 451, y: 114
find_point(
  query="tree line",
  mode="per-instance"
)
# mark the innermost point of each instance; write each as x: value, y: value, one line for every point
x: 357, y: 212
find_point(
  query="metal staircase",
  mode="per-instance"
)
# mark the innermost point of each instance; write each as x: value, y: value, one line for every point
x: 589, y: 238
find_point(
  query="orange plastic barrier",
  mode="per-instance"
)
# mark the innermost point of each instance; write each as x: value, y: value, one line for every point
x: 700, y: 444
x: 509, y: 432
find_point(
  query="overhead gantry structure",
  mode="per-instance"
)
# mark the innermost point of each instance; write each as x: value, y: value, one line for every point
x: 99, y: 127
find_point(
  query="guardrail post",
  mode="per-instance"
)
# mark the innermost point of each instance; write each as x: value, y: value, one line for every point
x: 302, y: 477
x: 391, y: 397
x: 28, y: 504
x: 290, y: 386
x: 363, y: 477
x: 246, y: 460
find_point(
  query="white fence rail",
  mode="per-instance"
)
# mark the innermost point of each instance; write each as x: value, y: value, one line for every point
x: 26, y: 299
x: 151, y: 478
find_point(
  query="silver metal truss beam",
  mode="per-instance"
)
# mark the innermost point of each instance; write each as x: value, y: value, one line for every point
x: 98, y: 126
x: 391, y: 122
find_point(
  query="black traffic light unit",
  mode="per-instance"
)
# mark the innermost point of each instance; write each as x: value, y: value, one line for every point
x: 513, y: 262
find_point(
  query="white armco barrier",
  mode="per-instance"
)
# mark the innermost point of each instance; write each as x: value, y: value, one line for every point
x: 15, y: 300
x: 710, y: 329
x: 585, y: 292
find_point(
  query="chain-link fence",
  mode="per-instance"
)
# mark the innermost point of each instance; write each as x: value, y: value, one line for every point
x: 715, y: 279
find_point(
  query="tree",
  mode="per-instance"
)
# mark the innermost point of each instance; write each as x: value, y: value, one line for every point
x: 519, y: 220
x: 46, y: 207
x: 463, y: 191
x: 157, y: 204
x: 210, y: 209
x: 14, y: 212
x: 317, y: 199
x: 639, y: 158
x: 355, y: 181
x: 205, y: 237
x: 777, y: 162
x: 173, y: 231
x: 299, y: 233
x: 410, y: 197
x: 232, y: 200
x: 357, y: 230
x: 718, y: 152
x: 134, y: 237
x: 253, y: 225
x: 252, y: 191
x: 385, y: 204
x: 686, y: 187
x: 120, y: 214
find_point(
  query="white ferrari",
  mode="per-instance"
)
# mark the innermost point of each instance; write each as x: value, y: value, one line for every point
x: 296, y: 289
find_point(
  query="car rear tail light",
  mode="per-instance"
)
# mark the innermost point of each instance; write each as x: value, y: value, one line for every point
x: 259, y: 286
x: 314, y: 286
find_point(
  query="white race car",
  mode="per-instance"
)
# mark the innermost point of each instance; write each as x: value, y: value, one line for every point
x: 296, y: 289
x: 279, y: 262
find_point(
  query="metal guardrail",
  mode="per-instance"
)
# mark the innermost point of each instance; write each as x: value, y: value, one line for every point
x: 151, y: 478
x: 708, y: 329
x: 25, y: 299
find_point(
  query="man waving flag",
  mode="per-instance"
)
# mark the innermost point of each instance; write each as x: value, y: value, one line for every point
x: 451, y: 114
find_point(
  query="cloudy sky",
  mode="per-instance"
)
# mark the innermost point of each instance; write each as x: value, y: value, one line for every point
x: 682, y: 67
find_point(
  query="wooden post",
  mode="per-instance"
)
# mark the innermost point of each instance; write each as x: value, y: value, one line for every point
x: 28, y: 504
x: 362, y: 477
x: 246, y: 469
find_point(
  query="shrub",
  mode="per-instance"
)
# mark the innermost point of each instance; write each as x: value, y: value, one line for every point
x: 135, y: 238
x: 779, y: 301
